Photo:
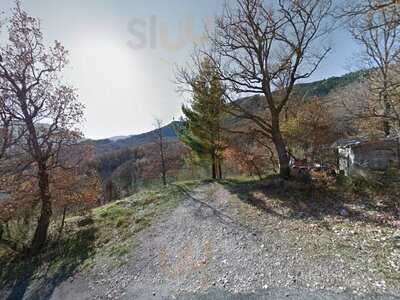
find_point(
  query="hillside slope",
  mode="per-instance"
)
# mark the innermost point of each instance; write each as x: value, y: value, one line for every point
x: 119, y: 143
x: 323, y: 87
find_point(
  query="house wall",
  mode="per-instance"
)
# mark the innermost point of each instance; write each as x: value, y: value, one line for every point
x: 346, y: 159
x: 376, y: 156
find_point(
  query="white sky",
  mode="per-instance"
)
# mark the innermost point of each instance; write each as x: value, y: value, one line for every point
x: 124, y: 88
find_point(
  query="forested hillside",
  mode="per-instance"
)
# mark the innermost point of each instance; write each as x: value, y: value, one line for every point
x: 135, y: 140
x: 322, y: 88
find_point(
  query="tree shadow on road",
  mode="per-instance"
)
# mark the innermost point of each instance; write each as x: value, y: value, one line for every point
x: 318, y: 199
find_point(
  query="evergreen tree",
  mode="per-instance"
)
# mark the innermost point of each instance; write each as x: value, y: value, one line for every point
x: 202, y: 132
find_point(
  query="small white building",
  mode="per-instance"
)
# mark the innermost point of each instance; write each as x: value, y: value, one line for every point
x: 364, y: 154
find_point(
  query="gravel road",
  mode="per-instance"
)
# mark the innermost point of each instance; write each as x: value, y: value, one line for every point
x: 203, y: 251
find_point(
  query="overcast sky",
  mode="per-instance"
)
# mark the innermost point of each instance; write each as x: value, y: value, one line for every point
x: 123, y: 52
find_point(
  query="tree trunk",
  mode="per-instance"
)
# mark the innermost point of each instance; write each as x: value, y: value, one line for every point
x: 387, y: 107
x: 162, y: 155
x: 40, y: 236
x: 257, y: 169
x: 214, y: 171
x: 219, y: 169
x: 398, y: 151
x: 163, y: 165
x: 284, y: 168
x: 164, y: 178
x: 214, y: 168
x: 62, y: 222
x: 280, y: 145
x: 109, y: 191
x: 386, y: 127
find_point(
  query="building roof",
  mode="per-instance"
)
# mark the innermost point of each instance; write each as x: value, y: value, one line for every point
x: 348, y: 142
x: 344, y: 143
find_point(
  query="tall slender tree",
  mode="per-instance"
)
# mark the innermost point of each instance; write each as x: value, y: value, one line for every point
x: 203, y: 132
x: 162, y: 149
x: 378, y: 33
x: 47, y: 110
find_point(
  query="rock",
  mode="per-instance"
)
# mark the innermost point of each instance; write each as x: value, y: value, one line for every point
x: 85, y: 221
x: 344, y: 212
x: 396, y: 239
x: 301, y: 215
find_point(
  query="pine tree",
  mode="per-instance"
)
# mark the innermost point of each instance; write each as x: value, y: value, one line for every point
x: 202, y: 132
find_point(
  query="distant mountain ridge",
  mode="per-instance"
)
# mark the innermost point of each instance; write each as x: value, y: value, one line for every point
x: 305, y: 91
x: 133, y: 141
x: 322, y: 88
x: 117, y: 138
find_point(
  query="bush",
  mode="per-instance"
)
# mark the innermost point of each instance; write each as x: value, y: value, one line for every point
x: 302, y: 175
x: 342, y: 179
x: 393, y: 171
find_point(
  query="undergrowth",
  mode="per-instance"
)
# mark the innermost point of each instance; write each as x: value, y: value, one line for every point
x: 106, y: 235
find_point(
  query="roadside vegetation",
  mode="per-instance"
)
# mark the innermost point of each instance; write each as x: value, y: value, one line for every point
x: 103, y: 236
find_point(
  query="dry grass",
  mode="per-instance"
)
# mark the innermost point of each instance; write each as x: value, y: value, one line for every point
x: 355, y: 223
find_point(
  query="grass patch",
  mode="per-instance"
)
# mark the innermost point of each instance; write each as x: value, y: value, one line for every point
x: 106, y: 236
x: 119, y: 222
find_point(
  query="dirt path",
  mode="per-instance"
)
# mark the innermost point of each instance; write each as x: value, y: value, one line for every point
x: 205, y: 247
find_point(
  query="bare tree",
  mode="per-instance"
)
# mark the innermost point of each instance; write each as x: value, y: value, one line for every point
x: 378, y: 33
x: 362, y: 8
x: 11, y: 131
x: 150, y: 165
x: 162, y: 148
x: 265, y: 49
x: 5, y: 129
x: 36, y: 100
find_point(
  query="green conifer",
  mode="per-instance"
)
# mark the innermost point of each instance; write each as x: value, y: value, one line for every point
x: 203, y: 133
